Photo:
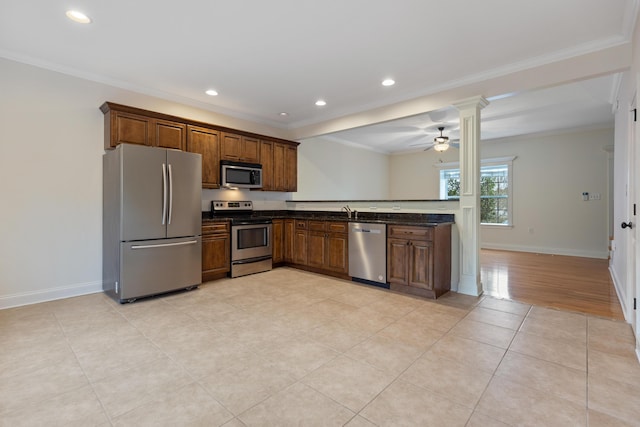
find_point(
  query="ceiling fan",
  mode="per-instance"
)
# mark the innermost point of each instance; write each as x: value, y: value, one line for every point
x: 440, y: 143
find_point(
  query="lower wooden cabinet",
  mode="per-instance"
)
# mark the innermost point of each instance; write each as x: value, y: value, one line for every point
x: 216, y: 250
x: 323, y: 246
x: 419, y: 259
x: 329, y: 246
x: 289, y: 234
x: 300, y: 242
x: 277, y: 240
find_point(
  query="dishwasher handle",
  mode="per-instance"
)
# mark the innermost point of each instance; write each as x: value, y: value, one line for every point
x: 366, y: 230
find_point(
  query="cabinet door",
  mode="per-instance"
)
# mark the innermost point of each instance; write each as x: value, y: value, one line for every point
x: 266, y: 159
x: 291, y: 168
x: 250, y: 150
x: 278, y: 240
x: 421, y: 264
x: 316, y: 249
x: 300, y: 247
x: 337, y: 252
x: 170, y: 134
x: 230, y: 147
x: 206, y: 142
x: 130, y: 128
x: 279, y: 183
x: 216, y: 254
x: 397, y: 261
x: 289, y: 237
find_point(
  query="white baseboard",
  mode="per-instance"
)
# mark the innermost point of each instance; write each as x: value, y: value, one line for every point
x: 623, y: 302
x: 544, y: 250
x: 34, y: 297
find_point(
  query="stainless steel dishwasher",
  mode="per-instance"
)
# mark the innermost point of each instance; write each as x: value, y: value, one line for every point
x: 368, y: 252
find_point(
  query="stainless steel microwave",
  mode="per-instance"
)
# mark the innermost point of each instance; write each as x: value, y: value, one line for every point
x: 240, y: 175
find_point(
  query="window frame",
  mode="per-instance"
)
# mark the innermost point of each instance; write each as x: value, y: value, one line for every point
x: 497, y: 161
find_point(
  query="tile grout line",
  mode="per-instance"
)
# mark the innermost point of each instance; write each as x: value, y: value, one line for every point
x: 66, y: 337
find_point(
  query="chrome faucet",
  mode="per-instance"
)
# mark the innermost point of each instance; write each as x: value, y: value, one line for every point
x: 348, y: 209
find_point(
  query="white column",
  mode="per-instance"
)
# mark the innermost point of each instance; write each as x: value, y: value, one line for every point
x: 470, y: 194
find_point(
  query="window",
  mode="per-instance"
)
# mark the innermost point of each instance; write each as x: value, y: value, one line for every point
x: 495, y: 190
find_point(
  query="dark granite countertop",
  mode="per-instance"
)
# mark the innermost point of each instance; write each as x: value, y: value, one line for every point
x: 415, y: 219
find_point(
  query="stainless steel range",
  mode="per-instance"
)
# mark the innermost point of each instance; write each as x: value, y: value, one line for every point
x: 251, y: 248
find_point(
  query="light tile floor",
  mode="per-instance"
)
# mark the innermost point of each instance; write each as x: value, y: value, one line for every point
x: 288, y: 347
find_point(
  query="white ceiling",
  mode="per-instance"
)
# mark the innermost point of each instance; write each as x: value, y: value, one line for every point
x: 584, y: 104
x: 266, y: 57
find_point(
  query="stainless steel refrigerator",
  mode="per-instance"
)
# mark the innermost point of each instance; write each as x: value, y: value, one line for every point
x: 152, y: 221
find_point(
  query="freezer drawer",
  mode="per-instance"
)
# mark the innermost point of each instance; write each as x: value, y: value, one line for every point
x: 156, y: 266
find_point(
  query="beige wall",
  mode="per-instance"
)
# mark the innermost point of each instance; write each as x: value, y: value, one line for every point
x: 328, y: 170
x: 51, y: 146
x: 549, y: 175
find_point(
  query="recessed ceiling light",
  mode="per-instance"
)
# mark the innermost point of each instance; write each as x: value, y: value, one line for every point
x: 284, y: 114
x: 212, y: 92
x: 321, y: 103
x: 77, y: 16
x: 388, y: 82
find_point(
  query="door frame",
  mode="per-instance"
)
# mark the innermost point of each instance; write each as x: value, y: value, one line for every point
x: 633, y: 199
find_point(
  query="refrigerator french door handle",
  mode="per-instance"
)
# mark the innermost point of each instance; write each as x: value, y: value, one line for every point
x: 170, y: 194
x: 164, y: 245
x: 164, y: 192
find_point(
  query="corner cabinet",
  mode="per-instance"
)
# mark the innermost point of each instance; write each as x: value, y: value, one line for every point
x: 419, y: 259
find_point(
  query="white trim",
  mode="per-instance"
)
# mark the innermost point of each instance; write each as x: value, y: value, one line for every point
x: 493, y: 160
x: 616, y: 286
x: 546, y: 250
x: 34, y: 297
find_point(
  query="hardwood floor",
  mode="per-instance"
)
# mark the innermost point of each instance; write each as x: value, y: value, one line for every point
x: 565, y: 282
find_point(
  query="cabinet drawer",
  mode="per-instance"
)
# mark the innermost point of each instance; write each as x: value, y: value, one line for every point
x: 337, y: 227
x: 214, y: 228
x: 316, y: 225
x: 415, y: 233
x: 301, y: 224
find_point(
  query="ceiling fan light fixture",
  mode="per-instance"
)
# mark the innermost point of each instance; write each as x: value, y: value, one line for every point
x: 440, y: 139
x: 441, y: 147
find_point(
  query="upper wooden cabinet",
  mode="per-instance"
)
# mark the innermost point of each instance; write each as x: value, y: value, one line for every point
x: 279, y: 158
x: 169, y: 134
x: 266, y: 159
x: 240, y: 148
x: 123, y: 127
x: 285, y: 167
x: 206, y: 142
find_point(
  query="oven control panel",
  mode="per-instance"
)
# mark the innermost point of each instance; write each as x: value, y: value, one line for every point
x: 221, y: 205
